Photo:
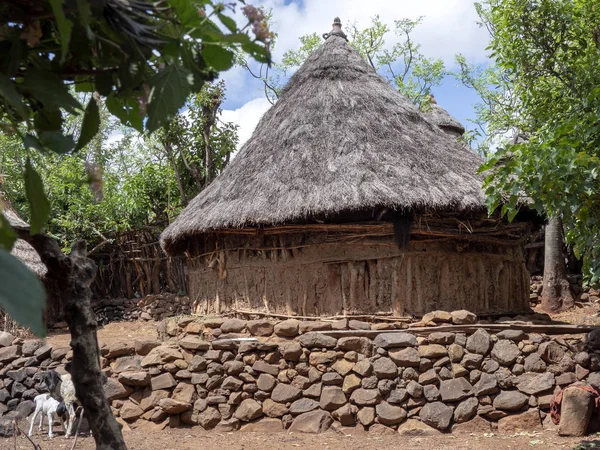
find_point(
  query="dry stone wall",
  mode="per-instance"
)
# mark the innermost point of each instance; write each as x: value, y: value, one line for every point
x: 447, y: 381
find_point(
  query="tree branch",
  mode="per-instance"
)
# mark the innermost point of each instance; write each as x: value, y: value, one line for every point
x: 73, y: 275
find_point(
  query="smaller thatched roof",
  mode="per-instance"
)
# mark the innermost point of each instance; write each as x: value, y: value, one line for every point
x: 22, y: 249
x: 440, y: 117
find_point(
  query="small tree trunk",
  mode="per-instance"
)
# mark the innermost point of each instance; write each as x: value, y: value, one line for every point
x: 74, y: 274
x: 556, y: 292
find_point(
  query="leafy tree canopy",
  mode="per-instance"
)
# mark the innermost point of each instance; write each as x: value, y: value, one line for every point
x: 143, y: 59
x: 545, y: 88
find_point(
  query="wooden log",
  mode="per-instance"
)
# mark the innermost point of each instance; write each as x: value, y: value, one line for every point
x: 469, y: 329
x: 385, y: 318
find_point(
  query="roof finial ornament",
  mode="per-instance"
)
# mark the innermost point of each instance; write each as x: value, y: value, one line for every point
x: 336, y: 30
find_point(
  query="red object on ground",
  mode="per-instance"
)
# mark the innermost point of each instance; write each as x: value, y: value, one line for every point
x: 557, y: 400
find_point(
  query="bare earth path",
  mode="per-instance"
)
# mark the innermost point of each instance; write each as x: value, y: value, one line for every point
x: 196, y: 439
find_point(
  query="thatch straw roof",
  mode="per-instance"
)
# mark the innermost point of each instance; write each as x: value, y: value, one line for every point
x: 339, y: 139
x: 22, y: 250
x: 440, y: 117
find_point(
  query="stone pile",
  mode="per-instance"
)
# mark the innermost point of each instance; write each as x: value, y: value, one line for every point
x: 214, y: 327
x: 160, y: 306
x: 152, y: 307
x: 116, y: 310
x: 394, y: 382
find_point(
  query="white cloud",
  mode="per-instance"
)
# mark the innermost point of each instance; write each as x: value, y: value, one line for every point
x: 449, y: 26
x: 246, y: 117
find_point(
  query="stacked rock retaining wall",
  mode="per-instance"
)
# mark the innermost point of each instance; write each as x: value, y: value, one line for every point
x: 445, y: 381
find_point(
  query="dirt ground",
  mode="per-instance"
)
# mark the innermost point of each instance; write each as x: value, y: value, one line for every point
x: 195, y: 438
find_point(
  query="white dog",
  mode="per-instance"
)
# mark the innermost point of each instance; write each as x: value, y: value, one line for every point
x: 50, y: 407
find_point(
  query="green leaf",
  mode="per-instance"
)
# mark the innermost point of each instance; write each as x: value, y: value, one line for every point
x: 186, y: 11
x: 49, y: 90
x: 217, y: 57
x: 31, y: 141
x: 258, y: 52
x: 56, y: 141
x: 126, y: 110
x: 21, y: 293
x: 48, y: 120
x: 38, y: 203
x: 12, y: 96
x: 169, y: 91
x: 7, y: 234
x: 90, y: 124
x: 228, y: 22
x: 65, y: 26
x: 17, y: 53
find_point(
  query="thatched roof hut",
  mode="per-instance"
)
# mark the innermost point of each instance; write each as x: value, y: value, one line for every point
x: 440, y: 117
x: 347, y: 199
x: 22, y: 250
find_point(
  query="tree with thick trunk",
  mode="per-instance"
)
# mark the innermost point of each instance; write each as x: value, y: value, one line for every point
x: 73, y: 275
x: 556, y: 292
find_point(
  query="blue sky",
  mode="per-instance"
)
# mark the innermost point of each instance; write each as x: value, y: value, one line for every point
x: 449, y: 27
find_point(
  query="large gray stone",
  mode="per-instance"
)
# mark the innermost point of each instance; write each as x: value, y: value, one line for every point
x: 437, y: 415
x: 287, y: 328
x: 432, y: 351
x: 576, y: 409
x: 284, y: 393
x: 479, y: 342
x: 510, y: 401
x: 360, y: 345
x: 209, y: 418
x: 248, y: 410
x: 312, y: 422
x: 332, y: 397
x: 317, y: 340
x: 291, y: 351
x: 406, y: 357
x: 505, y: 352
x: 487, y: 384
x: 385, y: 368
x: 395, y: 340
x: 390, y: 414
x: 463, y: 317
x: 552, y: 352
x: 512, y: 335
x: 114, y: 390
x: 455, y: 389
x: 466, y: 410
x: 593, y: 339
x: 534, y: 363
x: 260, y: 327
x: 233, y: 326
x: 303, y: 405
x: 534, y: 384
x: 366, y: 397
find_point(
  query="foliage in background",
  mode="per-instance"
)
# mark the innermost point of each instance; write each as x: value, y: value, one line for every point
x: 140, y: 178
x: 142, y: 59
x: 406, y: 68
x: 546, y: 76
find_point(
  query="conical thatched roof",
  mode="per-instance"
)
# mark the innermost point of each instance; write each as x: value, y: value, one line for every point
x: 339, y: 139
x: 440, y: 117
x: 22, y: 250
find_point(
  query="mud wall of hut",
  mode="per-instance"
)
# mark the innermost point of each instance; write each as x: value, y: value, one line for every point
x: 327, y: 276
